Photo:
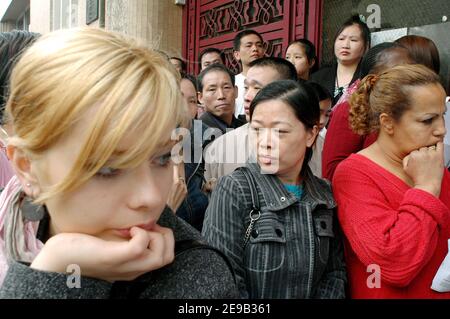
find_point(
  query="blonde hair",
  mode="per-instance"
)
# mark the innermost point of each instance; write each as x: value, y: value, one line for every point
x: 67, y: 73
x: 388, y: 92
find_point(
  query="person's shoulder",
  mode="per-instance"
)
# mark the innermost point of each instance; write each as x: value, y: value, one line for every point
x: 215, y: 281
x: 354, y: 161
x: 205, y: 117
x: 238, y: 176
x: 200, y: 273
x: 181, y: 229
x: 188, y: 270
x: 342, y: 108
x: 321, y: 185
x: 24, y: 282
x: 320, y: 182
x: 324, y: 72
x: 234, y: 184
x: 355, y: 165
x: 239, y: 78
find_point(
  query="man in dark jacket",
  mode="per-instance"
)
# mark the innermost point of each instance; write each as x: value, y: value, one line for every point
x: 217, y: 92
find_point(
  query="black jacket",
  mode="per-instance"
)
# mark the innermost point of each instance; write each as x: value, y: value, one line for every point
x: 214, y: 122
x: 327, y: 78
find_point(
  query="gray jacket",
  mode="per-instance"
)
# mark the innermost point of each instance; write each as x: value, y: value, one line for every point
x: 295, y: 248
x: 198, y: 273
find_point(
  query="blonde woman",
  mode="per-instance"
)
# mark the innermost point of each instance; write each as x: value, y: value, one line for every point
x: 92, y: 114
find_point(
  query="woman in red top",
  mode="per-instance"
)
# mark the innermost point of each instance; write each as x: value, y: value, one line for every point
x: 394, y: 196
x: 341, y: 141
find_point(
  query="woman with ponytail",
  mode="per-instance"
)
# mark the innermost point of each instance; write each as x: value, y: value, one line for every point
x: 394, y: 196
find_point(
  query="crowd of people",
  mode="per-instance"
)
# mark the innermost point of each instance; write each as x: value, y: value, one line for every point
x: 283, y: 181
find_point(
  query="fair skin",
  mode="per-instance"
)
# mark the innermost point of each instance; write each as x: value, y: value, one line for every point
x: 251, y: 49
x: 218, y: 95
x: 325, y: 110
x: 281, y: 140
x: 179, y: 190
x: 349, y: 48
x: 257, y: 78
x: 190, y: 96
x: 295, y: 54
x: 210, y: 58
x: 108, y: 225
x: 200, y: 110
x: 412, y: 147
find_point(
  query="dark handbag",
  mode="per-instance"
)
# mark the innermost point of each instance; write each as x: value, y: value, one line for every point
x: 255, y: 212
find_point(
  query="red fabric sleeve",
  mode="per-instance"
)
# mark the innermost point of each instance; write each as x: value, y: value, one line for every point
x: 400, y: 240
x: 340, y: 141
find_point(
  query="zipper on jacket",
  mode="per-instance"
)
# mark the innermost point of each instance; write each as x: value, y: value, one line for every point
x: 311, y: 251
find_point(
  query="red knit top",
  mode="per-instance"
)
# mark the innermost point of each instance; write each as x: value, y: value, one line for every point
x: 387, y: 223
x: 341, y: 141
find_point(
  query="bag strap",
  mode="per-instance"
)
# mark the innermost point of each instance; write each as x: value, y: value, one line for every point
x: 255, y: 212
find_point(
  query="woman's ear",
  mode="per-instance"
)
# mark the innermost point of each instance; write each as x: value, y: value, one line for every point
x: 312, y: 63
x: 386, y: 124
x: 312, y: 135
x: 22, y: 168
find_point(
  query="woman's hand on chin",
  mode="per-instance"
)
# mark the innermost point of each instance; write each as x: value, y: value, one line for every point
x: 425, y: 167
x: 108, y: 260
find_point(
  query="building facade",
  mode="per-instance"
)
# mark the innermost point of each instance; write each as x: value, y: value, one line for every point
x: 159, y: 22
x: 14, y: 15
x: 214, y: 23
x: 184, y: 28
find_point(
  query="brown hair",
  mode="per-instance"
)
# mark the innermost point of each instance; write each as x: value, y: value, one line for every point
x: 422, y: 50
x: 388, y: 92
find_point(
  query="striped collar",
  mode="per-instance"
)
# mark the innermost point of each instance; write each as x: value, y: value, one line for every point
x: 316, y: 191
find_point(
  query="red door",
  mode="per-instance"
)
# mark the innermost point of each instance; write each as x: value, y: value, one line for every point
x: 214, y: 23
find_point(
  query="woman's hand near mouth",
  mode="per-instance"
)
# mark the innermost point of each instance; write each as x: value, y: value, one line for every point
x: 108, y: 260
